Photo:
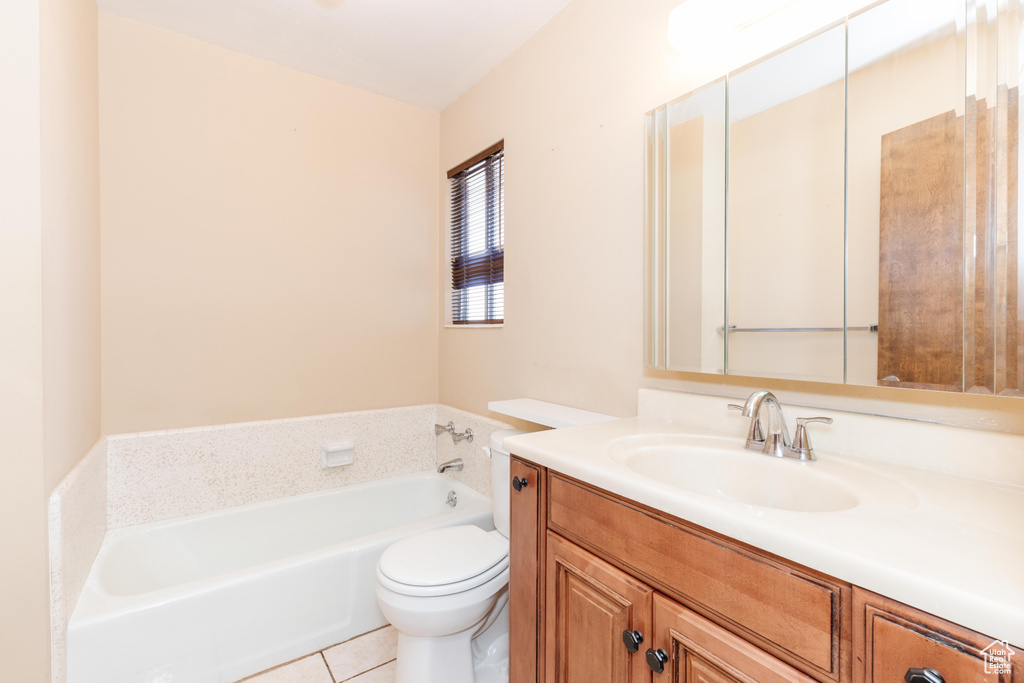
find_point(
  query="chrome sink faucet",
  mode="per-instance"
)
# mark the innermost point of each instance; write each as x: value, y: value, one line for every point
x: 775, y: 441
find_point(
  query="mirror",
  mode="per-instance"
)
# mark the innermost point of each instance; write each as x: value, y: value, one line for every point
x: 692, y: 248
x: 906, y: 194
x: 786, y: 181
x: 845, y: 209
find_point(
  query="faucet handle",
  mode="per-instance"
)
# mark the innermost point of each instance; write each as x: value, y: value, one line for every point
x: 801, y: 421
x: 755, y: 436
x: 802, y: 448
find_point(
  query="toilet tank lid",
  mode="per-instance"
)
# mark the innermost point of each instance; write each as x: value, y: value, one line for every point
x: 498, y: 436
x: 443, y: 556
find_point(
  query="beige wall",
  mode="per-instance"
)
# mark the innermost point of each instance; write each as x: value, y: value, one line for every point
x: 24, y: 628
x: 71, y: 233
x: 49, y: 289
x: 569, y: 104
x: 269, y: 238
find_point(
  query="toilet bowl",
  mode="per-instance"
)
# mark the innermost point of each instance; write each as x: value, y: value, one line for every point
x: 446, y: 592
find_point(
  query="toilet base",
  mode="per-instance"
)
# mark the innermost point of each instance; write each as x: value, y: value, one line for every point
x: 477, y: 655
x: 493, y: 667
x: 445, y: 659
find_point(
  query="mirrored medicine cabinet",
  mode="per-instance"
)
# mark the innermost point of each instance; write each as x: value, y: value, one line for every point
x: 846, y: 209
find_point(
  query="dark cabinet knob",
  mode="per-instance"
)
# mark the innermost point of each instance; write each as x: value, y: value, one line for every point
x: 518, y: 483
x: 656, y: 659
x: 632, y: 640
x: 923, y: 676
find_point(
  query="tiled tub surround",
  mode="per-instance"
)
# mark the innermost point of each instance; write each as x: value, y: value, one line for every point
x: 218, y: 596
x: 77, y: 523
x: 163, y: 475
x: 477, y: 472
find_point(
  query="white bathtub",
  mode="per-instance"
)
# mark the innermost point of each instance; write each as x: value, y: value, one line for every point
x: 219, y: 596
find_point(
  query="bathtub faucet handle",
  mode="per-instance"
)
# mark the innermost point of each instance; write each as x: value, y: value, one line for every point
x: 455, y: 465
x: 456, y: 436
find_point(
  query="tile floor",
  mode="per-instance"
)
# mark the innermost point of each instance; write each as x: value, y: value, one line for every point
x: 369, y: 658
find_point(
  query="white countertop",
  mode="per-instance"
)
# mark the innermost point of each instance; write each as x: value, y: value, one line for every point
x: 949, y: 545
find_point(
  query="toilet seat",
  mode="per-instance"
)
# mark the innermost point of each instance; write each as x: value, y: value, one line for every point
x: 443, y: 561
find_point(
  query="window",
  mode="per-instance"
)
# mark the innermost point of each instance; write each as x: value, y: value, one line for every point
x: 478, y: 238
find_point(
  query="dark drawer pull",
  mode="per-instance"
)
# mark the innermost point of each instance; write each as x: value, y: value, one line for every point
x: 656, y: 659
x: 923, y: 676
x: 519, y: 483
x: 632, y: 640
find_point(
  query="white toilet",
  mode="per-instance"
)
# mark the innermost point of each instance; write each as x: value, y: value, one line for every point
x: 446, y: 591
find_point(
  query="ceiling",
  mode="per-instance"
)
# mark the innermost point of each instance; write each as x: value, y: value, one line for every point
x: 424, y: 52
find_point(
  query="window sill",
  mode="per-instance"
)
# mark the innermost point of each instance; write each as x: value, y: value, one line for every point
x: 473, y: 327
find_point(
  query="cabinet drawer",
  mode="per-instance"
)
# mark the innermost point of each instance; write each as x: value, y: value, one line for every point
x: 891, y: 638
x: 702, y: 652
x: 791, y: 613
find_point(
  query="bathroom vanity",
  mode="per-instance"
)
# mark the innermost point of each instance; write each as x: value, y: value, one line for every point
x: 842, y: 210
x: 617, y: 576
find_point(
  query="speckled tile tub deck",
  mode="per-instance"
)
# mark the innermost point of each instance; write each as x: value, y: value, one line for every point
x: 162, y: 475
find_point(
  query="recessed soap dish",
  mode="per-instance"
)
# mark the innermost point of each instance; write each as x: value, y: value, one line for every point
x: 337, y: 454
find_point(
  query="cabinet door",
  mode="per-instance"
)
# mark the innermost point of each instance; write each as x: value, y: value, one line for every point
x: 891, y: 640
x: 695, y: 650
x: 590, y: 604
x: 527, y: 534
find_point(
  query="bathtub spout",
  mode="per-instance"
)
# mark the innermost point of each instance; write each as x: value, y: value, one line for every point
x: 455, y: 465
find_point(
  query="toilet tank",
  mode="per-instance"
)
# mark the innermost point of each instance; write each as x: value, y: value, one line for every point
x: 501, y: 480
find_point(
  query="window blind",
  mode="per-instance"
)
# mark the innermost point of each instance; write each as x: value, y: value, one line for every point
x: 478, y: 239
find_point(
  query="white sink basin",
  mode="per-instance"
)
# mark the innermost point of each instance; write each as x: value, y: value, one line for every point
x: 723, y: 469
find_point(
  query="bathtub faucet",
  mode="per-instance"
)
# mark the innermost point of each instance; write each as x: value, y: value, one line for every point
x: 455, y: 465
x: 450, y: 429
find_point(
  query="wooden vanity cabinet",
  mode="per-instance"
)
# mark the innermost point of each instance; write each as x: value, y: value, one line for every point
x: 796, y: 615
x: 593, y: 608
x: 526, y: 605
x: 891, y: 638
x: 589, y: 568
x: 590, y: 605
